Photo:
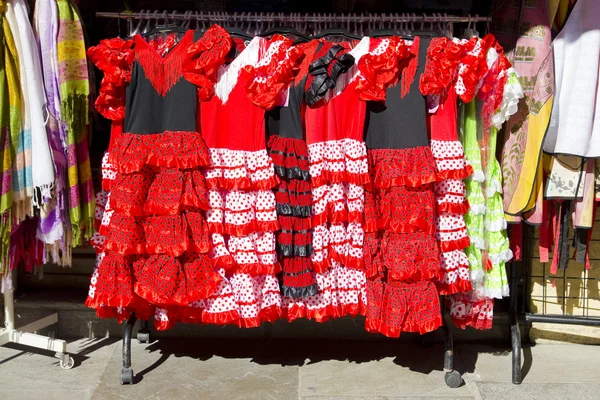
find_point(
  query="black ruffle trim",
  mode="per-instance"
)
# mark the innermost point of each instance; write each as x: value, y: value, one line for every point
x: 325, y: 71
x: 300, y: 292
x: 292, y: 173
x: 295, y: 211
x: 289, y: 250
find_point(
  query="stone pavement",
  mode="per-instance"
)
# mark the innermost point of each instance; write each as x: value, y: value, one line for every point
x: 229, y: 369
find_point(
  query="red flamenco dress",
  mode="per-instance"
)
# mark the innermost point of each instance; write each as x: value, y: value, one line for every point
x: 242, y: 215
x: 157, y: 240
x: 334, y: 120
x: 441, y: 72
x: 401, y: 250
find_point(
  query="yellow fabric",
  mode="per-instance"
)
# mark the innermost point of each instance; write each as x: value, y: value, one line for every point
x: 530, y: 179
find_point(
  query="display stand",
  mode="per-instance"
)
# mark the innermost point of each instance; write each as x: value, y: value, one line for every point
x: 25, y: 335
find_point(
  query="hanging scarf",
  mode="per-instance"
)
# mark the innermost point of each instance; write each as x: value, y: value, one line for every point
x: 51, y: 229
x: 74, y: 93
x: 5, y: 148
x: 40, y: 157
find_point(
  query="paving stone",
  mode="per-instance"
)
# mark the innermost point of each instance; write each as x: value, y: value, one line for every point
x: 538, y: 391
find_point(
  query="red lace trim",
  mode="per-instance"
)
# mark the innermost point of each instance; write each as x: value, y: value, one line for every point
x: 204, y: 59
x: 268, y: 81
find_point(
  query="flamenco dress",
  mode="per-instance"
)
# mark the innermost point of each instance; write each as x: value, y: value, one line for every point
x: 401, y: 251
x: 242, y: 215
x: 289, y: 152
x: 156, y: 245
x: 334, y: 120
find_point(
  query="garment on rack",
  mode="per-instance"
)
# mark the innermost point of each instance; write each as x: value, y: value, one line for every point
x: 401, y: 252
x: 156, y: 248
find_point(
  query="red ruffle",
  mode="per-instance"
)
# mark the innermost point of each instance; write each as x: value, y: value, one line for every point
x: 290, y: 157
x: 193, y: 315
x: 114, y: 57
x: 455, y: 173
x: 443, y: 58
x: 336, y: 217
x: 204, y: 59
x: 380, y: 68
x: 321, y: 267
x: 256, y: 269
x: 226, y: 262
x: 325, y: 314
x: 454, y: 208
x: 171, y: 149
x: 402, y: 167
x: 452, y: 245
x: 475, y: 68
x: 269, y: 79
x: 245, y: 229
x: 460, y: 286
x: 242, y: 183
x: 326, y: 177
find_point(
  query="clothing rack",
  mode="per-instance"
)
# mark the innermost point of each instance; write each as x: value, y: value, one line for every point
x: 316, y: 21
x: 520, y: 300
x: 26, y: 335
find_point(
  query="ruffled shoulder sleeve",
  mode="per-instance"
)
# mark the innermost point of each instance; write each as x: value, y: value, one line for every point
x: 115, y: 58
x: 473, y: 67
x: 441, y: 67
x: 380, y: 68
x: 273, y: 73
x: 204, y: 58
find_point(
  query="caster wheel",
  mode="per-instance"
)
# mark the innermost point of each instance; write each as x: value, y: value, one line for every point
x: 126, y: 376
x: 143, y: 337
x: 67, y: 362
x: 453, y: 379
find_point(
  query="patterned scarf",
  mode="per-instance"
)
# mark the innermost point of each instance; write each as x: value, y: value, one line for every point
x: 52, y: 229
x: 20, y: 131
x: 74, y: 92
x: 10, y: 106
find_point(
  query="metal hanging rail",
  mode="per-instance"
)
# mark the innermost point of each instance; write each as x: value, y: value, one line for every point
x: 293, y: 17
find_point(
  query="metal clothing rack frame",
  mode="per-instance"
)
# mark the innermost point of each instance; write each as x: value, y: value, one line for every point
x: 26, y: 335
x: 522, y: 277
x: 452, y: 377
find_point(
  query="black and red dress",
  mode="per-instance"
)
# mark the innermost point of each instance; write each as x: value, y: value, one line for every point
x: 157, y: 240
x: 401, y: 250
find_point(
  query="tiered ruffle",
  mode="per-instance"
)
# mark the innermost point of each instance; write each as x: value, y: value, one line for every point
x: 157, y: 240
x: 400, y: 251
x: 294, y: 210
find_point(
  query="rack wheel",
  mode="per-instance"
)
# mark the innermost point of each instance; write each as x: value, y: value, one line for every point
x: 143, y: 337
x: 67, y: 362
x: 126, y: 376
x: 453, y: 379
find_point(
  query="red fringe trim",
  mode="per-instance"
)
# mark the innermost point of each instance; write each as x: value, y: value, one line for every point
x: 409, y: 72
x: 162, y: 72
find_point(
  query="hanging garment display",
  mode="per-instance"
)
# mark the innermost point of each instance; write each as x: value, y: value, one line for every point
x: 311, y: 203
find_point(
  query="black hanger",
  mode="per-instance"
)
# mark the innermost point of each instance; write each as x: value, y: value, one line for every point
x: 162, y: 28
x: 237, y: 32
x: 336, y: 32
x: 286, y: 30
x: 393, y: 32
